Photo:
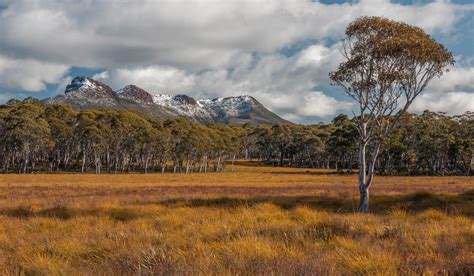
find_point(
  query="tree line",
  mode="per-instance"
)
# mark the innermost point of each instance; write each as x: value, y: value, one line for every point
x: 57, y: 138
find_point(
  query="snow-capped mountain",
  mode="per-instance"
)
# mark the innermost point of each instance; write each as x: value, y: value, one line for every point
x: 184, y: 106
x: 84, y: 92
x: 134, y: 93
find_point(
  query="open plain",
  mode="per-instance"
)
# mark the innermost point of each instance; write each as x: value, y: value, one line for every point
x: 251, y: 219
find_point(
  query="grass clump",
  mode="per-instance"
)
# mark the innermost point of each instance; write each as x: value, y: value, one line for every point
x: 258, y: 228
x: 260, y: 239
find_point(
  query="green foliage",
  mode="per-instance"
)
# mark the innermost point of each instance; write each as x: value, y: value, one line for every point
x: 57, y: 138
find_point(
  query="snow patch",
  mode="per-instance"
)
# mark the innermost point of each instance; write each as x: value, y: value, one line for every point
x: 229, y: 107
x: 190, y: 108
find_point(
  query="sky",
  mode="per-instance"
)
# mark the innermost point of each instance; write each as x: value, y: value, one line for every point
x: 278, y: 51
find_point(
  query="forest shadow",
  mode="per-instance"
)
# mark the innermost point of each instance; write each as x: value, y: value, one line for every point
x: 247, y: 163
x: 302, y: 171
x: 307, y: 172
x: 67, y: 212
x: 458, y: 204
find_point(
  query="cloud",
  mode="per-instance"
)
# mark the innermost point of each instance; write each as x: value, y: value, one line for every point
x: 190, y: 35
x: 158, y: 79
x: 29, y: 75
x: 103, y: 76
x: 61, y: 85
x: 453, y: 103
x: 459, y: 77
x: 309, y: 104
x: 453, y: 93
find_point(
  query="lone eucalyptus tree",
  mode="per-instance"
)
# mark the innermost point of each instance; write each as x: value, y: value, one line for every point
x: 386, y: 65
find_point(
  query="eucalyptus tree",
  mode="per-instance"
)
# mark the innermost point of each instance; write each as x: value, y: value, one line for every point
x: 162, y: 144
x: 386, y: 65
x: 462, y: 153
x: 231, y: 143
x: 61, y: 119
x: 249, y: 142
x: 281, y: 139
x: 140, y: 140
x: 217, y: 148
x: 27, y: 135
x: 182, y: 141
x: 306, y: 147
x: 264, y: 144
x: 91, y: 138
x: 341, y: 143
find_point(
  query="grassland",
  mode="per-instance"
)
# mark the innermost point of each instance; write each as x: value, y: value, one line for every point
x: 255, y: 220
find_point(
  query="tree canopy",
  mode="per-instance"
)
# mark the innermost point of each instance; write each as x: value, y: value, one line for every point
x: 53, y: 138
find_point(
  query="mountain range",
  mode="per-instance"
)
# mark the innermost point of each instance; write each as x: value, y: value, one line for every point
x: 85, y: 92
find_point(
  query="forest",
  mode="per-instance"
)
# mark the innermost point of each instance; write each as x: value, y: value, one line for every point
x: 57, y: 138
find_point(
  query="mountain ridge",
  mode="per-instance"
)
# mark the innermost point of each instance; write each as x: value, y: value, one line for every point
x: 85, y: 92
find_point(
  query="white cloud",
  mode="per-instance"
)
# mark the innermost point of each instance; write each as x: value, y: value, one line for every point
x: 459, y: 77
x: 453, y: 93
x: 27, y: 74
x: 309, y: 104
x: 453, y: 103
x: 188, y: 35
x: 103, y: 76
x: 158, y: 79
x: 61, y: 85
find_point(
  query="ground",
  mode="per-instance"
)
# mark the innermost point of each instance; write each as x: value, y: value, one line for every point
x: 253, y: 220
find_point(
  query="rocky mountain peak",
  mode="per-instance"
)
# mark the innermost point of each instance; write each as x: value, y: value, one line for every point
x: 184, y: 99
x: 82, y: 83
x: 89, y: 87
x: 135, y: 93
x: 86, y: 92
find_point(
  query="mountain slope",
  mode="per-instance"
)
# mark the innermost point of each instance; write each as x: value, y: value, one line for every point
x: 84, y: 92
x: 240, y: 110
x: 136, y: 94
x: 185, y: 106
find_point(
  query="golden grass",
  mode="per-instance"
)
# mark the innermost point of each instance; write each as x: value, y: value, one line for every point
x: 257, y: 220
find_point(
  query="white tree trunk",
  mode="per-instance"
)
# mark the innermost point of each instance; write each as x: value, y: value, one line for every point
x: 83, y: 161
x: 363, y: 189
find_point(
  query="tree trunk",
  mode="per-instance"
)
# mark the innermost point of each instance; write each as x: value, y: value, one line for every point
x: 146, y: 164
x: 97, y: 163
x: 363, y: 189
x: 187, y: 165
x: 83, y: 161
x: 366, y: 176
x: 116, y: 161
x: 217, y: 164
x: 364, y: 199
x: 233, y: 161
x: 25, y: 165
x: 108, y: 161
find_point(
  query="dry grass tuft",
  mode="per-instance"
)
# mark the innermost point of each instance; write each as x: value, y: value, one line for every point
x: 262, y: 226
